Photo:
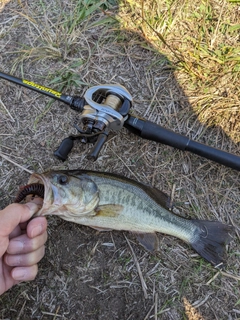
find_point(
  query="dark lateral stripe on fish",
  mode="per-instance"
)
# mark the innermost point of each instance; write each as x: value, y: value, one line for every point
x: 34, y: 189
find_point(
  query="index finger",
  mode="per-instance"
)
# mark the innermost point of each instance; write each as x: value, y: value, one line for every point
x: 14, y: 214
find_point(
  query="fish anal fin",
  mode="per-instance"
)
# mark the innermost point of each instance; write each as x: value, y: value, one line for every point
x: 148, y: 240
x: 109, y: 210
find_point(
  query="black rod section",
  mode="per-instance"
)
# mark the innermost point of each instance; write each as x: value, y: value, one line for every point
x: 38, y: 88
x: 151, y: 131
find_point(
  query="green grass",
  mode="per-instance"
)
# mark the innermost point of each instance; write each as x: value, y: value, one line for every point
x: 59, y: 36
x: 201, y: 38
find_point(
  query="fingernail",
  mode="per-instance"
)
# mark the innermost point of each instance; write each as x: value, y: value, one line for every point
x: 19, y: 274
x: 15, y: 246
x: 36, y: 231
x: 33, y: 207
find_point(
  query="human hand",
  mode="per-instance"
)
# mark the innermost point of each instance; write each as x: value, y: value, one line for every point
x: 21, y: 243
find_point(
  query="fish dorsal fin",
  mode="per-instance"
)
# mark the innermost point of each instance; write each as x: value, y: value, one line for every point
x: 148, y: 240
x: 109, y: 210
x: 160, y: 197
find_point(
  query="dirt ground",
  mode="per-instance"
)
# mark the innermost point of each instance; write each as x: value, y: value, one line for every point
x: 86, y: 274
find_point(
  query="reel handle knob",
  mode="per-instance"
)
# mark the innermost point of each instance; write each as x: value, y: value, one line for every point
x: 63, y: 150
x: 93, y: 155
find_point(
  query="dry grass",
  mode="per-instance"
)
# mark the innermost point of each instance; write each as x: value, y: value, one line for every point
x: 3, y: 3
x: 69, y: 46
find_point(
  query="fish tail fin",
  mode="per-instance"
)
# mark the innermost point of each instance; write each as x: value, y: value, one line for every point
x: 211, y: 239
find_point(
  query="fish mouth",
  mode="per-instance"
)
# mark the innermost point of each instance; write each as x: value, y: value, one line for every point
x: 35, y: 189
x: 38, y: 185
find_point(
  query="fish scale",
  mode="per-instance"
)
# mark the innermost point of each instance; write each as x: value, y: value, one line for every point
x: 138, y: 206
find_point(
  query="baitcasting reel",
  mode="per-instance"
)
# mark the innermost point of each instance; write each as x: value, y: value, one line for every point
x: 103, y: 108
x: 106, y: 107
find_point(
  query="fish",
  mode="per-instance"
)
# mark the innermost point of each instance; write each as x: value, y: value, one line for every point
x: 107, y: 201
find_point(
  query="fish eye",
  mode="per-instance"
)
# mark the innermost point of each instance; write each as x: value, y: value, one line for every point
x: 62, y: 179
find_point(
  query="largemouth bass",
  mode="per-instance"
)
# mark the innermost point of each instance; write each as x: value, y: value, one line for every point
x: 107, y: 201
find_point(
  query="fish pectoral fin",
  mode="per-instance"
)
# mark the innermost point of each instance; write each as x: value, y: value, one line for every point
x: 148, y: 240
x: 109, y: 210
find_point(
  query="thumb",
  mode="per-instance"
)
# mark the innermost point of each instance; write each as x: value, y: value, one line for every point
x: 14, y: 214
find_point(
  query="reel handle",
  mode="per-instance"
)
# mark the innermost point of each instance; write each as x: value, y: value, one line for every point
x: 63, y: 150
x: 93, y: 155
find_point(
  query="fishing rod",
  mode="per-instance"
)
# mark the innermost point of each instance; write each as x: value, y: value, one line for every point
x: 106, y: 108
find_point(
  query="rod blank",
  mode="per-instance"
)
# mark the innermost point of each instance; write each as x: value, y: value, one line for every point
x: 38, y: 88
